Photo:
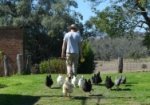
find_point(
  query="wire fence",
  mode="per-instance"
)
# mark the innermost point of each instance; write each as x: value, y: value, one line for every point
x: 129, y: 65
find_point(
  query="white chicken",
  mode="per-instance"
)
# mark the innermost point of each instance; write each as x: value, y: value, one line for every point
x: 81, y: 82
x: 60, y: 80
x: 118, y: 81
x: 67, y: 87
x: 74, y: 81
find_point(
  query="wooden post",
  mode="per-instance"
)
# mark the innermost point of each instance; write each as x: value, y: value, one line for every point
x: 120, y: 64
x: 28, y: 64
x: 6, y: 66
x: 19, y: 60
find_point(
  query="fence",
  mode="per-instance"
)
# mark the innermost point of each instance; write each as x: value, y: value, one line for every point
x: 129, y: 65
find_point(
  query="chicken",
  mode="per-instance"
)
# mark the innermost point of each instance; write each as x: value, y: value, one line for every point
x: 81, y: 82
x: 99, y: 79
x: 108, y: 82
x: 96, y: 79
x: 49, y: 81
x: 123, y: 80
x: 118, y: 81
x: 74, y: 81
x: 87, y: 87
x: 67, y: 87
x: 60, y: 80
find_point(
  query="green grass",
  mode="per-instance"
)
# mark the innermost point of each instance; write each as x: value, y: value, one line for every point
x: 31, y: 90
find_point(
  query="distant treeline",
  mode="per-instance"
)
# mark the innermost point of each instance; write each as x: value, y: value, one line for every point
x: 110, y: 48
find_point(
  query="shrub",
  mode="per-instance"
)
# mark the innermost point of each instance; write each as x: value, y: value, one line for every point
x: 88, y: 65
x: 53, y: 65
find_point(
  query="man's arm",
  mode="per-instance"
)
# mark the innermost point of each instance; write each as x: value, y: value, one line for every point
x: 63, y: 49
x: 80, y: 49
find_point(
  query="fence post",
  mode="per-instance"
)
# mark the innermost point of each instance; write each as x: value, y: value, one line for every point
x: 19, y: 60
x: 120, y: 64
x: 28, y: 64
x: 6, y: 66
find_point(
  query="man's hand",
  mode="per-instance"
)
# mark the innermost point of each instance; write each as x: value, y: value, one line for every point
x: 82, y: 59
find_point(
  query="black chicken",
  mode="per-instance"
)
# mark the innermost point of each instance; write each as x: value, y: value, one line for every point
x: 87, y: 87
x: 99, y: 79
x: 108, y: 82
x: 96, y: 79
x: 49, y: 81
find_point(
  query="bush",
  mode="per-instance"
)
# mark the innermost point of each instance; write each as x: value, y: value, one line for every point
x: 53, y: 65
x: 88, y: 65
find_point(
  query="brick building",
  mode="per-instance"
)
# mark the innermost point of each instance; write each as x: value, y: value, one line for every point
x: 11, y: 44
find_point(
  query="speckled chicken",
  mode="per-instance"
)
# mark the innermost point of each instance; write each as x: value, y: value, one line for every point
x: 67, y: 87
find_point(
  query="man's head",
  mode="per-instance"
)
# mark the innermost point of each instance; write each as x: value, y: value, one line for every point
x: 73, y: 27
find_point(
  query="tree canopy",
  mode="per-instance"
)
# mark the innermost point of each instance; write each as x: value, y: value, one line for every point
x: 122, y: 16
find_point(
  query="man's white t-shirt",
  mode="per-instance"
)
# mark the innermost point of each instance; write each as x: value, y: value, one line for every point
x: 73, y: 40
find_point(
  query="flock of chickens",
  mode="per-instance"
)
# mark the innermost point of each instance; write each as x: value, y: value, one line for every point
x: 67, y: 84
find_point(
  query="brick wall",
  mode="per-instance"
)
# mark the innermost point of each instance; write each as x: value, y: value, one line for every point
x: 11, y: 43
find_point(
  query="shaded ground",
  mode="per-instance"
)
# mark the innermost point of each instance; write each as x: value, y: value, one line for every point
x: 11, y: 99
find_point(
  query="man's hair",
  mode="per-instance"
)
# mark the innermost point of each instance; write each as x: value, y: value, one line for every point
x: 73, y: 26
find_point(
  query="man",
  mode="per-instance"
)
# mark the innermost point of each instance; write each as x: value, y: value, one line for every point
x: 72, y: 47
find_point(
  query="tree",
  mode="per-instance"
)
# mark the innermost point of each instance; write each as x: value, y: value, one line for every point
x: 136, y: 10
x: 44, y: 22
x: 111, y: 21
x: 123, y: 16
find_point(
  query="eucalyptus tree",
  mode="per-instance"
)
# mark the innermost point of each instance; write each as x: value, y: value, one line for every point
x: 122, y: 16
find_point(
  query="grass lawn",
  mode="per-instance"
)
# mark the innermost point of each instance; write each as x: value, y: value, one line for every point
x: 31, y: 90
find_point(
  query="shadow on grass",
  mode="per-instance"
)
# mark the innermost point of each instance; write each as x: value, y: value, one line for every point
x: 131, y: 83
x: 120, y: 89
x: 3, y: 86
x: 147, y: 96
x: 51, y: 96
x: 84, y: 99
x: 99, y: 84
x: 119, y: 97
x: 55, y: 88
x: 128, y: 85
x: 10, y: 99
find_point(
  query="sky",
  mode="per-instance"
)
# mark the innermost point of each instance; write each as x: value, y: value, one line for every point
x: 85, y: 9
